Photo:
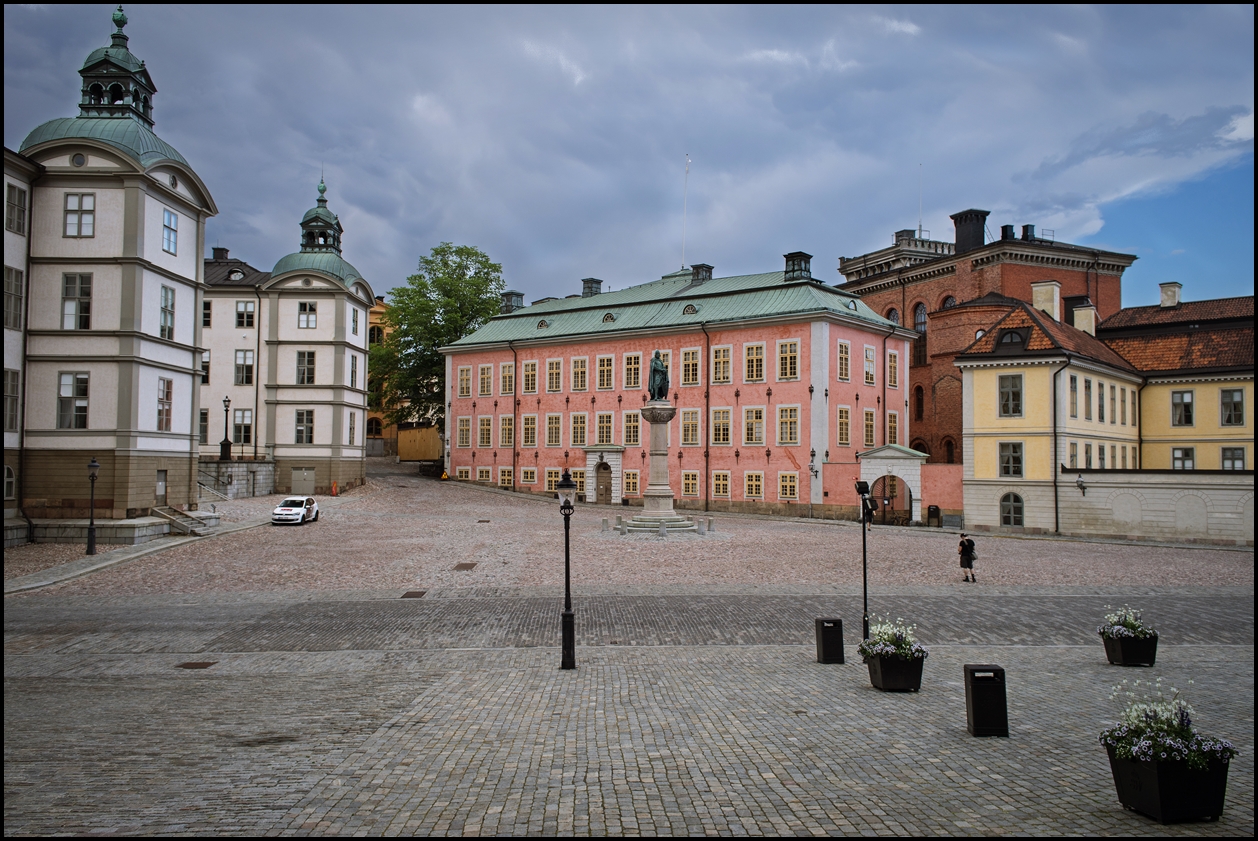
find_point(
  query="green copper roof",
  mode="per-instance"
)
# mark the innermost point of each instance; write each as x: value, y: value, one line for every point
x: 326, y: 262
x: 662, y: 304
x: 123, y: 133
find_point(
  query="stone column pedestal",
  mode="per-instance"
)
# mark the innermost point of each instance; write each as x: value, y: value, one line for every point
x: 657, y: 499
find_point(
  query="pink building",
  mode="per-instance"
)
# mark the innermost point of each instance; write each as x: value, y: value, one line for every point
x: 779, y: 380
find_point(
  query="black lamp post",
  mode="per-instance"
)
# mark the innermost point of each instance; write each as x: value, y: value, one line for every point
x: 93, y: 468
x: 567, y: 495
x: 862, y: 489
x: 225, y: 446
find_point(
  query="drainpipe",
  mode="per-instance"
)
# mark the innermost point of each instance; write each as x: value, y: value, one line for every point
x: 1056, y: 512
x: 26, y: 332
x: 707, y: 410
x: 1140, y: 426
x: 515, y: 408
x: 257, y: 361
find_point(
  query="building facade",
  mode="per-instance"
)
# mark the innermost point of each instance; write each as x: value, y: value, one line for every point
x: 780, y: 382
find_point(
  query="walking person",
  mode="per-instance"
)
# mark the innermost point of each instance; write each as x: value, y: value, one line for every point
x: 966, y: 550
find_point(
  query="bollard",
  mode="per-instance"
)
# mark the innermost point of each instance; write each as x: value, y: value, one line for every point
x: 604, y: 524
x: 986, y: 709
x: 624, y: 528
x: 829, y: 641
x: 699, y: 526
x: 663, y: 531
x: 711, y: 525
x: 618, y: 520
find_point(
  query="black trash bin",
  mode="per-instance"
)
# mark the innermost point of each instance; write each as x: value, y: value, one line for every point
x: 829, y: 640
x: 986, y: 711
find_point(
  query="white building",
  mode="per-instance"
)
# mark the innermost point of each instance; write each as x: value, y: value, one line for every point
x: 19, y: 173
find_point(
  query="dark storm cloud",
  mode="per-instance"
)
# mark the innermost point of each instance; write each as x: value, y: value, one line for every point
x: 555, y: 138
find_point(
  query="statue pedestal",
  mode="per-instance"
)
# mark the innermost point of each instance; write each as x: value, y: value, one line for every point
x: 657, y: 499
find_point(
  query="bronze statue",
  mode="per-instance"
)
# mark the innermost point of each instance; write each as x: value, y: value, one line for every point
x: 657, y: 384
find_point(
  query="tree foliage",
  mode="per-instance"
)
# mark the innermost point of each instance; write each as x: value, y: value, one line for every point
x: 456, y: 290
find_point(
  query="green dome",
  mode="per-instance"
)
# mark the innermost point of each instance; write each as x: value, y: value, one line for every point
x: 319, y: 213
x: 324, y: 262
x: 127, y: 135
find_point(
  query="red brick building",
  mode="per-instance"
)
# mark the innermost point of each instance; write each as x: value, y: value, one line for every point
x: 948, y: 292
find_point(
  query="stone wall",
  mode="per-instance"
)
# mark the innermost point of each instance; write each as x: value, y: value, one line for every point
x: 235, y: 479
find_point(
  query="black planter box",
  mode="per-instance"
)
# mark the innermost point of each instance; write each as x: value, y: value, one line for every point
x: 1129, y: 651
x: 1170, y: 792
x: 894, y: 674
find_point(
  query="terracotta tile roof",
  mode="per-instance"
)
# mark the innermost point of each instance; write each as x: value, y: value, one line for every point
x: 1189, y: 350
x: 1046, y: 336
x: 1216, y: 309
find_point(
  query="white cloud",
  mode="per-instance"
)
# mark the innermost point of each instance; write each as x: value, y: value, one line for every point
x: 901, y: 27
x: 1241, y: 128
x: 555, y: 56
x: 776, y: 57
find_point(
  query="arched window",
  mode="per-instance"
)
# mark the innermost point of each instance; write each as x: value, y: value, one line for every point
x: 1011, y: 340
x: 375, y: 335
x: 10, y: 483
x: 690, y: 309
x: 1011, y: 510
x: 919, y: 403
x: 893, y: 315
x: 950, y: 452
x: 919, y: 344
x: 949, y: 303
x: 96, y: 94
x: 375, y: 428
x: 116, y: 94
x: 919, y: 318
x: 608, y: 318
x: 542, y: 324
x: 921, y: 446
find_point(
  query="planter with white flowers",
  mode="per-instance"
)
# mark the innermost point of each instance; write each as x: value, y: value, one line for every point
x: 894, y: 656
x: 1128, y: 640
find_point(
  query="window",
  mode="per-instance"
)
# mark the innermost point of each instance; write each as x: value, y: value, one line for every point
x: 1074, y: 396
x: 893, y: 315
x: 754, y: 363
x: 633, y: 370
x: 76, y: 302
x: 1233, y: 458
x: 170, y: 232
x: 753, y: 485
x: 1133, y: 407
x: 304, y: 433
x: 244, y: 313
x: 12, y: 397
x: 506, y: 477
x: 845, y: 362
x: 530, y: 378
x: 788, y: 360
x: 632, y: 429
x: 1087, y: 399
x: 465, y: 382
x: 485, y: 431
x: 375, y: 428
x: 72, y: 401
x: 1113, y: 403
x: 1122, y: 401
x: 893, y: 369
x: 1100, y: 402
x: 919, y: 403
x: 529, y: 431
x: 1074, y: 455
x: 13, y: 298
x: 666, y: 356
x: 948, y: 303
x: 10, y: 483
x: 753, y: 426
x: 166, y: 325
x: 1011, y: 510
x: 788, y: 425
x: 165, y: 403
x: 721, y: 365
x: 375, y: 335
x: 845, y: 426
x: 485, y: 382
x: 1232, y: 406
x: 1183, y: 458
x: 578, y: 476
x: 354, y: 320
x: 463, y: 474
x: 1011, y: 396
x: 1124, y: 451
x: 207, y: 311
x: 720, y: 426
x: 305, y: 367
x: 506, y: 379
x: 578, y: 430
x: 552, y: 478
x: 578, y: 375
x: 604, y: 428
x: 244, y: 367
x: 528, y: 476
x: 631, y: 483
x: 788, y: 486
x: 484, y: 474
x: 80, y: 214
x: 353, y: 371
x: 506, y: 431
x: 203, y: 427
x: 720, y: 483
x: 919, y: 344
x: 15, y: 209
x: 352, y: 417
x: 869, y: 366
x: 1087, y: 456
x: 690, y: 483
x: 554, y: 375
x: 1011, y: 460
x: 690, y: 427
x: 465, y: 433
x: 869, y: 427
x: 1100, y: 456
x: 307, y: 315
x: 893, y: 428
x: 242, y: 426
x: 553, y: 430
x: 690, y: 367
x: 1181, y: 408
x: 605, y: 380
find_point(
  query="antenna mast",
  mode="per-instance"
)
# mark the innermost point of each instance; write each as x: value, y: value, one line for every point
x: 685, y: 193
x: 919, y: 201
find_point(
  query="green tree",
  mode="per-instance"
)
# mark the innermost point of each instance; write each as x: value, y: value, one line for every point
x: 456, y: 290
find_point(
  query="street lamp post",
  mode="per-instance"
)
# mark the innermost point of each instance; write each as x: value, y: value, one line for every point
x: 862, y: 489
x: 93, y: 468
x: 225, y: 446
x: 567, y: 495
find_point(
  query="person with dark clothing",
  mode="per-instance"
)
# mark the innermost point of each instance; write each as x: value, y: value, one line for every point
x: 966, y: 550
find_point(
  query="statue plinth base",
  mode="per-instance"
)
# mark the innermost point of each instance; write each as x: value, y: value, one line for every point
x: 657, y: 499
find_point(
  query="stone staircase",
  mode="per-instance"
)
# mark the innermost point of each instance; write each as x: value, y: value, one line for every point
x: 180, y: 522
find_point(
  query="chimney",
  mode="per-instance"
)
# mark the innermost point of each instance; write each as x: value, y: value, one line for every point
x: 1085, y: 318
x: 1006, y: 232
x: 798, y: 266
x: 590, y: 286
x: 700, y: 273
x: 511, y: 301
x: 1046, y: 296
x: 1170, y: 293
x: 220, y: 253
x: 970, y: 227
x: 905, y: 235
x: 1028, y: 233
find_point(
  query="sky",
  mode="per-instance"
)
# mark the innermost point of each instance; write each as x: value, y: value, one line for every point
x: 555, y: 139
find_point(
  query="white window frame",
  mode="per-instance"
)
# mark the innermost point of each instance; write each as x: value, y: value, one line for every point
x: 463, y: 376
x: 716, y: 485
x: 798, y: 424
x: 307, y: 315
x: 788, y: 474
x: 585, y: 429
x: 838, y: 426
x: 611, y: 373
x: 695, y: 417
x: 729, y: 426
x: 729, y: 365
x: 869, y: 365
x: 747, y: 474
x: 698, y: 367
x: 625, y: 426
x: 506, y: 370
x: 524, y: 425
x: 485, y: 380
x: 550, y: 415
x: 777, y: 360
x: 524, y: 374
x: 840, y: 357
x: 463, y: 432
x: 585, y: 370
x: 637, y: 369
x: 763, y: 411
x: 559, y: 374
x: 764, y: 374
x: 170, y: 232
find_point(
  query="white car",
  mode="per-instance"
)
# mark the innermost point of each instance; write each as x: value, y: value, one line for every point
x: 295, y: 509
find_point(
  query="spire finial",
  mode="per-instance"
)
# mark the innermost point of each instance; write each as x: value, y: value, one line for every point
x: 120, y: 18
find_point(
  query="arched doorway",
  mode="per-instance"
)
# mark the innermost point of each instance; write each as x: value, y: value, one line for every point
x: 895, y: 501
x: 603, y: 483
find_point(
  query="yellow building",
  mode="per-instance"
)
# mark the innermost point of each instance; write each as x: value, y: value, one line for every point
x: 381, y: 435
